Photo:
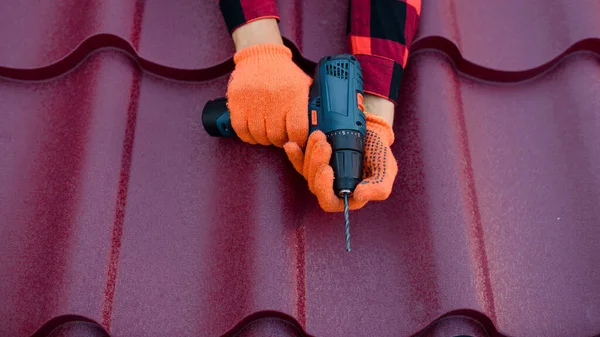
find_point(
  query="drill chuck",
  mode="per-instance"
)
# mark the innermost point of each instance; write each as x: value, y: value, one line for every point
x: 346, y: 159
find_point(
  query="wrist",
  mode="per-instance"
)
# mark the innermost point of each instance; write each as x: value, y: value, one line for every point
x: 261, y: 31
x: 263, y: 53
x: 381, y: 127
x: 380, y: 107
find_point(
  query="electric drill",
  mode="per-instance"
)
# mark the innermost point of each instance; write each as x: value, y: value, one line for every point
x: 335, y: 107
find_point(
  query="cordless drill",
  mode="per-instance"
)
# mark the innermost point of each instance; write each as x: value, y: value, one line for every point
x: 335, y: 107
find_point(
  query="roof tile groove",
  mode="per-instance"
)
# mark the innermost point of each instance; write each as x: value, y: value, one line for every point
x: 187, y: 39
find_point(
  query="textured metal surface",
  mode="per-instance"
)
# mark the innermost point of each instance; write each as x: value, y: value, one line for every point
x: 119, y: 213
x: 503, y: 40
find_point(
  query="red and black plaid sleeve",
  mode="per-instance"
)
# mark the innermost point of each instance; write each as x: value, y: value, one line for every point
x: 381, y: 33
x: 238, y: 12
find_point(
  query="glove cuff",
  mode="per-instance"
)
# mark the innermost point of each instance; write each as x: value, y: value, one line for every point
x: 381, y: 127
x: 263, y: 52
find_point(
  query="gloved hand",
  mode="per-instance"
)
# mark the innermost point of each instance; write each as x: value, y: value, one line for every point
x: 267, y: 96
x: 379, y: 171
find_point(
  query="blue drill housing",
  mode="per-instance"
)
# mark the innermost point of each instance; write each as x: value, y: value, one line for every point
x: 333, y: 94
x: 335, y: 108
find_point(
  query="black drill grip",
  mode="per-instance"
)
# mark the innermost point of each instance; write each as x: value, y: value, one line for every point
x: 216, y: 119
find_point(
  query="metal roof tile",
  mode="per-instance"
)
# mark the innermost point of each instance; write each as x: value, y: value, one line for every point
x: 106, y: 175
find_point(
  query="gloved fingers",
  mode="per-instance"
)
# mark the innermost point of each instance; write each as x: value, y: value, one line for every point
x: 313, y: 139
x: 378, y: 185
x: 320, y: 156
x: 258, y: 129
x: 328, y: 200
x: 276, y: 130
x: 323, y: 189
x: 356, y: 204
x: 240, y: 126
x: 238, y: 113
x: 295, y: 155
x: 297, y: 116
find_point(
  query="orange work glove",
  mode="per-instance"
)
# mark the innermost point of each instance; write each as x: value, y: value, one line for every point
x: 379, y: 170
x: 267, y: 96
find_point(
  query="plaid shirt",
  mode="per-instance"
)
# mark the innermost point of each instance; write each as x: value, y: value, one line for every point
x: 380, y: 33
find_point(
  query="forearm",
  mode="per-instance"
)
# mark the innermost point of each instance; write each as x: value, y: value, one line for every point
x: 381, y: 33
x: 261, y: 31
x: 250, y: 16
x: 381, y: 107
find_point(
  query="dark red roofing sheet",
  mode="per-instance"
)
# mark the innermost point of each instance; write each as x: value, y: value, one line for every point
x: 120, y: 214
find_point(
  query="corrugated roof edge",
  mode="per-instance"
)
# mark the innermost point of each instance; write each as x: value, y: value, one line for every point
x: 478, y: 317
x: 102, y: 41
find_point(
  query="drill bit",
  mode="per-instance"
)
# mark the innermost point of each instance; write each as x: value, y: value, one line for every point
x: 347, y: 218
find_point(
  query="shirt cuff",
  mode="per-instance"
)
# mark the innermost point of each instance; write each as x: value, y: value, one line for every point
x: 381, y: 76
x: 239, y: 12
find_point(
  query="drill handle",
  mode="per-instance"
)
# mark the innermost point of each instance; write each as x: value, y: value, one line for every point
x: 216, y: 118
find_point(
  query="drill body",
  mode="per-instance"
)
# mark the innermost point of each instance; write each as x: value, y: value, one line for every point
x: 336, y: 108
